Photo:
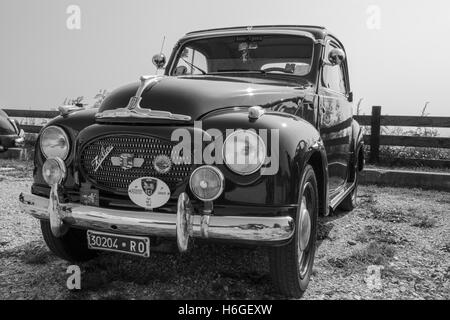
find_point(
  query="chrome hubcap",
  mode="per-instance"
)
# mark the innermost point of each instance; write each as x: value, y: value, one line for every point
x: 305, y: 225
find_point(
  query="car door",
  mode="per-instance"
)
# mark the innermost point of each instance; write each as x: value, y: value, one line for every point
x: 335, y: 118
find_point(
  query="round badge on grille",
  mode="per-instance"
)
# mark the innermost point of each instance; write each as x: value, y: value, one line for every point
x: 162, y: 163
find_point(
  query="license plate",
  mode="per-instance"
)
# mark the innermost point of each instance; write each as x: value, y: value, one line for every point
x: 138, y: 246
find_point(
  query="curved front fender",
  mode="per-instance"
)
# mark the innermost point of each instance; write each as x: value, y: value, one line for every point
x: 291, y: 143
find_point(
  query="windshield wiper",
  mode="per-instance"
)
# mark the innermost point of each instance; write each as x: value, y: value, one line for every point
x: 194, y: 66
x: 238, y: 70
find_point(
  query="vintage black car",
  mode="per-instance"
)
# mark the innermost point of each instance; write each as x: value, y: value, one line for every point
x: 246, y: 138
x: 11, y: 136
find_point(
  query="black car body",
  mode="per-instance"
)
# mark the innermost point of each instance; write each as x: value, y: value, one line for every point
x: 10, y: 134
x: 299, y: 89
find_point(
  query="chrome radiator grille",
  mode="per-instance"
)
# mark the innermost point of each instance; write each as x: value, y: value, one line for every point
x: 116, y: 179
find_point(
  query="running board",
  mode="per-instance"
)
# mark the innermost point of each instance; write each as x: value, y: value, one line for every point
x: 342, y: 195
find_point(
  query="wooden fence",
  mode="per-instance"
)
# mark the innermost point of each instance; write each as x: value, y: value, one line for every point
x: 35, y: 114
x: 374, y: 140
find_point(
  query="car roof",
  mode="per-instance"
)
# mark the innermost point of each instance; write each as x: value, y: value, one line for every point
x: 317, y: 32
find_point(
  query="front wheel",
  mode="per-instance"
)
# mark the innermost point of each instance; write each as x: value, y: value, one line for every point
x: 291, y: 265
x: 72, y: 246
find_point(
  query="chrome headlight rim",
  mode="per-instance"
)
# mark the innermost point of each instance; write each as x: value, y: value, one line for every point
x: 66, y: 138
x: 229, y: 166
x: 221, y: 179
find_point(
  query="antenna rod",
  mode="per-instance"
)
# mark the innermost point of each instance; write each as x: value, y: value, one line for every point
x: 162, y: 46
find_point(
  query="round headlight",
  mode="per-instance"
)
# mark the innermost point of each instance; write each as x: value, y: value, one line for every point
x: 244, y: 152
x: 207, y: 183
x: 53, y: 171
x: 54, y: 143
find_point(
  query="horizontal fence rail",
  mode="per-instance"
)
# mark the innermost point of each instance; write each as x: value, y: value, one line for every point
x: 376, y: 139
x: 407, y: 121
x: 411, y: 141
x: 42, y: 114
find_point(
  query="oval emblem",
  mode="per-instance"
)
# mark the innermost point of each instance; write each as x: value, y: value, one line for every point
x: 162, y: 163
x: 148, y: 192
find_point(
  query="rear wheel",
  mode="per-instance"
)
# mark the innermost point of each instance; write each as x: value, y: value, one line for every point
x: 291, y: 265
x: 71, y: 247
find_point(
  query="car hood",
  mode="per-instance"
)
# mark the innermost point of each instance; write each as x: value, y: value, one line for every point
x: 196, y: 96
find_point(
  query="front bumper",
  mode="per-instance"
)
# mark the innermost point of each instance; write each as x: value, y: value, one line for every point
x: 269, y: 231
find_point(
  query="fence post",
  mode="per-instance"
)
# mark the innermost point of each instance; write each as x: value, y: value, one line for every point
x: 375, y: 128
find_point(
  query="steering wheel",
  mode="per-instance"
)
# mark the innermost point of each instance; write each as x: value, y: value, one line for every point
x: 279, y: 69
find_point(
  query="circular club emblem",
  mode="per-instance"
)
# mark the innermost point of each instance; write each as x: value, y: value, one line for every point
x: 162, y: 163
x: 148, y: 192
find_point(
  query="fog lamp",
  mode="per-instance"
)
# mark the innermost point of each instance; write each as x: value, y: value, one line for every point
x: 53, y: 171
x: 207, y: 183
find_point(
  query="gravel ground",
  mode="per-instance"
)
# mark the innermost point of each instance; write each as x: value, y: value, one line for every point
x: 405, y: 232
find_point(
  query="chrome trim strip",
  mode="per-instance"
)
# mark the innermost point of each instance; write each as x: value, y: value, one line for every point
x: 258, y: 230
x: 341, y: 195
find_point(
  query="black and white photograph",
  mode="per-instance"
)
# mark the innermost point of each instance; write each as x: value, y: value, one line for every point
x: 242, y: 152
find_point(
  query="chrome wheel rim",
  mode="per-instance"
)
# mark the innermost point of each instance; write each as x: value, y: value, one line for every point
x: 305, y: 225
x: 307, y: 207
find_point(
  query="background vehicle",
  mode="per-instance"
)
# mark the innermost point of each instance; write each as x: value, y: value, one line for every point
x: 10, y: 134
x: 109, y: 175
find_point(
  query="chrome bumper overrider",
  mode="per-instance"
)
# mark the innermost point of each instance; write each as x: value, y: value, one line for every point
x: 239, y: 229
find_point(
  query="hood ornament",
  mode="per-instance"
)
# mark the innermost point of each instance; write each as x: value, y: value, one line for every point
x: 134, y: 110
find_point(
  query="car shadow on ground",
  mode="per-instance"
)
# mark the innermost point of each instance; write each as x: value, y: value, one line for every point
x: 326, y: 225
x: 207, y: 271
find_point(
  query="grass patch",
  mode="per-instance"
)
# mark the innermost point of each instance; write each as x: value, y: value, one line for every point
x: 394, y: 215
x: 424, y: 222
x: 40, y: 257
x: 16, y: 168
x: 379, y: 234
x: 375, y: 253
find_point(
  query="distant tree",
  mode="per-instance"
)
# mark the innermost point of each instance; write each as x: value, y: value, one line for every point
x: 100, y: 97
x: 75, y: 101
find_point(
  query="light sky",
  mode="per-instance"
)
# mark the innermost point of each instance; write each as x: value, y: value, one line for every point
x: 400, y: 66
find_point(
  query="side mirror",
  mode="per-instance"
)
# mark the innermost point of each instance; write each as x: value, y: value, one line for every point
x: 350, y: 96
x: 336, y: 57
x: 159, y: 60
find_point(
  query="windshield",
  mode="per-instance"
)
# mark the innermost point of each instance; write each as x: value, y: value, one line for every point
x: 282, y: 54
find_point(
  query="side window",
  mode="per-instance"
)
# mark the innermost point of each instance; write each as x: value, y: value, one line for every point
x: 333, y: 77
x: 190, y: 63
